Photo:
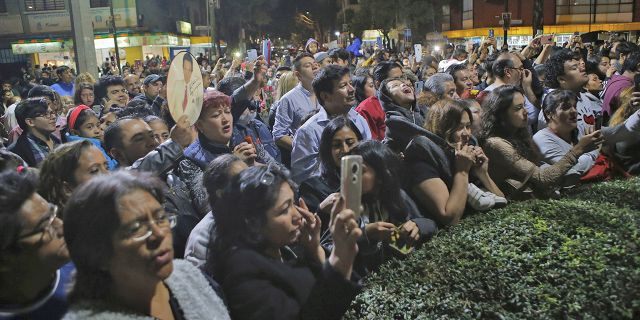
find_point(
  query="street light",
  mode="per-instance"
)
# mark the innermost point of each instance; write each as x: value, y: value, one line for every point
x: 337, y: 33
x: 436, y: 48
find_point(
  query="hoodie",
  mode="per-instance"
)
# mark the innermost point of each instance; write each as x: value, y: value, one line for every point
x: 310, y: 41
x: 413, y: 117
x: 616, y: 84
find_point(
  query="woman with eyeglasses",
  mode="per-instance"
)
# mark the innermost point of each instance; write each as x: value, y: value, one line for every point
x: 35, y: 273
x: 257, y: 218
x: 123, y: 254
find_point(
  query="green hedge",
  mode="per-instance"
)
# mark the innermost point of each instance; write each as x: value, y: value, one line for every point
x: 577, y: 257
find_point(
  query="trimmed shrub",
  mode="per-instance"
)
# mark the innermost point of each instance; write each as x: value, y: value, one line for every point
x: 577, y: 257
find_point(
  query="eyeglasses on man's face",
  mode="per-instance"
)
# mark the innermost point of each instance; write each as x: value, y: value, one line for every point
x: 49, y: 114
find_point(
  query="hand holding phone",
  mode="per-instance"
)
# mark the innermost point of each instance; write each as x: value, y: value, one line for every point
x: 351, y: 182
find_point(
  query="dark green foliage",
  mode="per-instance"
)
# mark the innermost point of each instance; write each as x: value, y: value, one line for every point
x: 578, y: 257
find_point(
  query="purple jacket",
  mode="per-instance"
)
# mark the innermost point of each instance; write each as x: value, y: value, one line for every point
x: 616, y: 84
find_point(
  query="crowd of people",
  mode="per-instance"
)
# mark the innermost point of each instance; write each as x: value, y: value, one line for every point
x: 112, y: 209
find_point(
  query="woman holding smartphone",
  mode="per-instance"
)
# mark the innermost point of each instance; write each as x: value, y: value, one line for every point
x: 257, y: 218
x: 387, y: 211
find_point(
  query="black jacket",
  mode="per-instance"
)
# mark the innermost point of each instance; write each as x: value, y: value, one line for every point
x: 258, y: 287
x: 22, y: 147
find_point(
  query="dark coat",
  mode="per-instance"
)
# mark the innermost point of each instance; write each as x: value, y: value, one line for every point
x: 258, y: 287
x: 22, y: 147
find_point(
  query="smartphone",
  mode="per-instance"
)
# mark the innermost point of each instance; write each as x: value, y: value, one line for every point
x: 351, y: 182
x: 599, y: 119
x: 546, y: 39
x: 491, y: 33
x: 419, y: 87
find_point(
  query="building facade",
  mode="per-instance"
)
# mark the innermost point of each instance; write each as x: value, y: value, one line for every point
x: 472, y: 19
x: 40, y: 31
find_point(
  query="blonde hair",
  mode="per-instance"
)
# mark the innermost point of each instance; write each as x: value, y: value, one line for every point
x: 85, y: 77
x: 287, y: 81
x: 625, y: 110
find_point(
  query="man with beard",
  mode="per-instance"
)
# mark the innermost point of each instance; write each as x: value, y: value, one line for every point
x: 133, y: 85
x: 335, y: 93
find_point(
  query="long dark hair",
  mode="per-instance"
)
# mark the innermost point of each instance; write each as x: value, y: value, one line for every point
x: 359, y: 83
x: 241, y: 212
x: 328, y: 169
x: 495, y: 124
x: 91, y: 219
x: 386, y: 164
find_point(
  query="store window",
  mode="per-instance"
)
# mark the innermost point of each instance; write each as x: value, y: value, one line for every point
x: 446, y: 17
x: 44, y: 5
x: 467, y: 14
x: 583, y: 11
x: 3, y: 6
x: 99, y: 3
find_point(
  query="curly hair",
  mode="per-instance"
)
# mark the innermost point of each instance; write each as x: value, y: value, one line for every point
x: 56, y: 172
x: 78, y: 91
x: 555, y: 66
x: 495, y: 124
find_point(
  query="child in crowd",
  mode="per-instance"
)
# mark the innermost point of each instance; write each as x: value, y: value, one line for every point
x: 83, y: 124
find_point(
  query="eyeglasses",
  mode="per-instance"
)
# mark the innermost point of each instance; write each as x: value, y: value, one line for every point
x: 48, y: 114
x: 521, y: 68
x: 266, y: 178
x: 141, y: 230
x: 47, y: 228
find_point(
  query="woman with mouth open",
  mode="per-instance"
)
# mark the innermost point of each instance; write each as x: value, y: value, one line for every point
x: 257, y: 218
x: 119, y: 238
x: 215, y: 129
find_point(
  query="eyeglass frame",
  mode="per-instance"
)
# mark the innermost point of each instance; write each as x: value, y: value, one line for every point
x: 49, y: 114
x: 521, y: 69
x: 266, y: 178
x: 172, y: 218
x: 47, y: 228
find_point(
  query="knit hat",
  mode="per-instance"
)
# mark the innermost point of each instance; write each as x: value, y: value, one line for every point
x: 319, y: 56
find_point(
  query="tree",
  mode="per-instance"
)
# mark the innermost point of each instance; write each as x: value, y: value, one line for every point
x: 377, y: 14
x: 420, y: 15
x: 251, y: 15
